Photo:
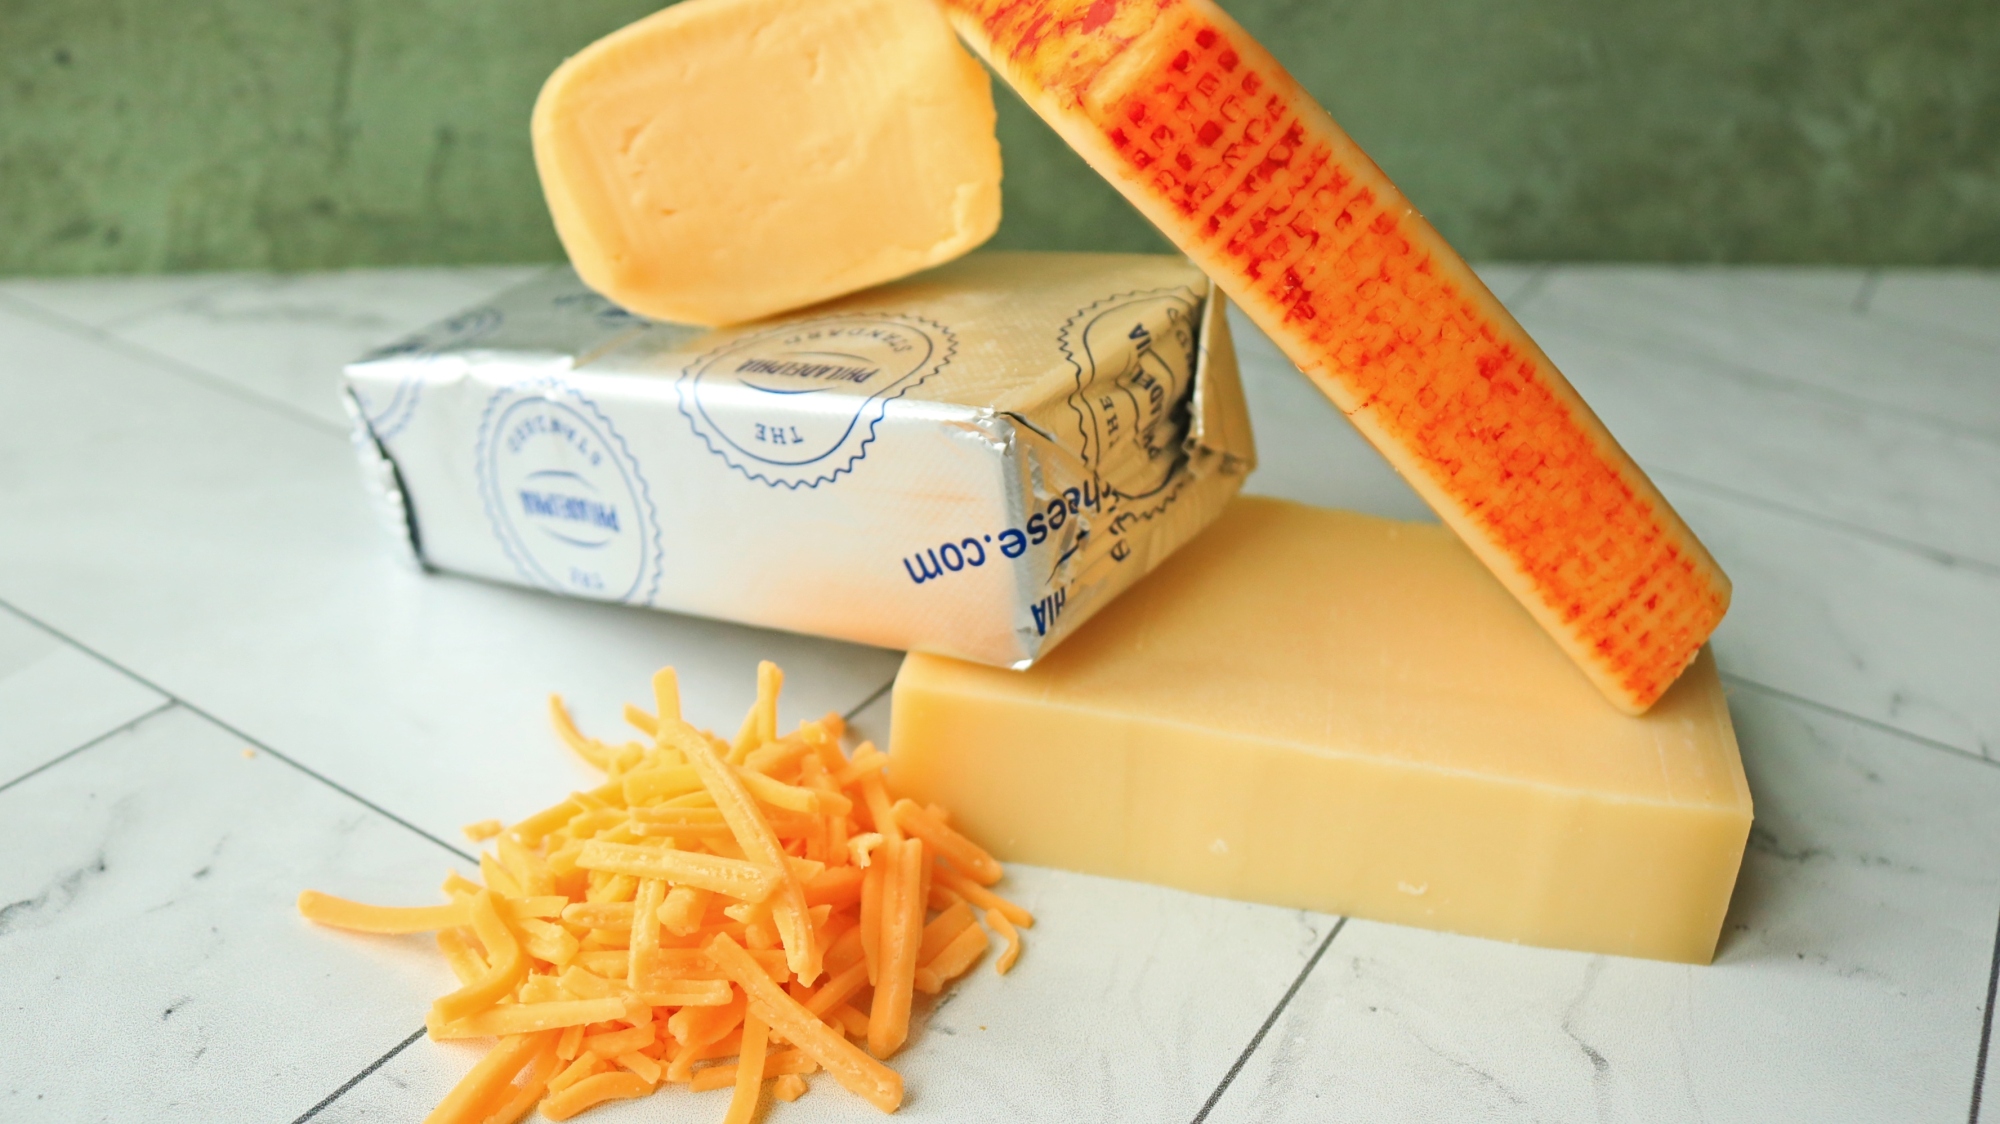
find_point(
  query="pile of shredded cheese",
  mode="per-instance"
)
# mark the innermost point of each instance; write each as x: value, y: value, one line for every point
x: 764, y: 900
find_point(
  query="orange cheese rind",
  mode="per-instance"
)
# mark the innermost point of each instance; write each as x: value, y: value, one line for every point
x: 1209, y: 137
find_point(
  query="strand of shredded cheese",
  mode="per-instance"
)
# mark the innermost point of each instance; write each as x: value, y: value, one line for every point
x: 902, y: 933
x: 855, y: 1070
x: 523, y: 1097
x: 749, y: 1070
x: 527, y: 1018
x: 469, y: 1099
x: 339, y: 913
x: 754, y: 835
x: 952, y: 960
x: 738, y: 879
x: 999, y: 923
x: 984, y: 898
x: 594, y: 1090
x: 509, y: 968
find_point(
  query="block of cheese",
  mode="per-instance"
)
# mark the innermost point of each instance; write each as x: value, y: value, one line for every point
x: 1215, y: 143
x: 1330, y: 711
x: 725, y: 160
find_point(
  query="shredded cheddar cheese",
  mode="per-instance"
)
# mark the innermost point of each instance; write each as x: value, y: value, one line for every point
x: 483, y: 830
x: 765, y: 899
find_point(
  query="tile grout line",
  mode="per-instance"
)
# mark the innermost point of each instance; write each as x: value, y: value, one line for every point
x: 1871, y: 723
x: 106, y: 736
x: 358, y: 1078
x: 1985, y: 1031
x: 1881, y: 538
x: 864, y: 704
x: 208, y: 717
x: 188, y: 371
x: 1270, y: 1020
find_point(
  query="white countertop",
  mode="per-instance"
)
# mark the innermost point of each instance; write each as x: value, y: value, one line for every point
x: 218, y: 687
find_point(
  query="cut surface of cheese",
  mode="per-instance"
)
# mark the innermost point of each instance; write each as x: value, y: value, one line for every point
x: 1330, y: 711
x: 1215, y: 143
x: 724, y: 160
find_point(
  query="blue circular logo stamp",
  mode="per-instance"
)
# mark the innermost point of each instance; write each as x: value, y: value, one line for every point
x: 565, y: 497
x: 1134, y: 356
x: 796, y: 405
x: 387, y: 414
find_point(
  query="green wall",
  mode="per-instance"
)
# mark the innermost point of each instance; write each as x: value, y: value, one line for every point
x: 140, y: 135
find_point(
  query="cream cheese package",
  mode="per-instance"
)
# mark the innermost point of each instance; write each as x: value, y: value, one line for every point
x: 969, y: 462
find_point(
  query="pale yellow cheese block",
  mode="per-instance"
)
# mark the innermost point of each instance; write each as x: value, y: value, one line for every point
x: 1336, y: 712
x: 725, y: 160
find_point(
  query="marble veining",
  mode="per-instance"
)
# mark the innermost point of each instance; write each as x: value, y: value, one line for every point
x: 1879, y: 632
x: 43, y: 908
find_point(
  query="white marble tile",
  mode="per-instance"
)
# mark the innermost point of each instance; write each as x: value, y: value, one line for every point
x: 1129, y: 1002
x: 265, y: 593
x: 1874, y: 630
x: 1878, y: 361
x: 55, y: 698
x: 225, y: 552
x: 1782, y: 442
x: 156, y: 967
x: 286, y: 337
x: 1959, y: 302
x: 1849, y: 986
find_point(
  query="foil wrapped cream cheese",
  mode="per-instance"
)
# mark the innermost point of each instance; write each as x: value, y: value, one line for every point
x: 969, y: 462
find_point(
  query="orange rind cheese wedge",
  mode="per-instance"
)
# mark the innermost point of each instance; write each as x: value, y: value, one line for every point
x: 1215, y: 143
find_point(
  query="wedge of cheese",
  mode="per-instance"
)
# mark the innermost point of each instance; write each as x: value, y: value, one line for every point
x: 725, y: 160
x: 1209, y: 137
x: 1331, y: 711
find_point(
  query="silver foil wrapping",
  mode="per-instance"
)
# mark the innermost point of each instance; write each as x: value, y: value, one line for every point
x: 969, y: 462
